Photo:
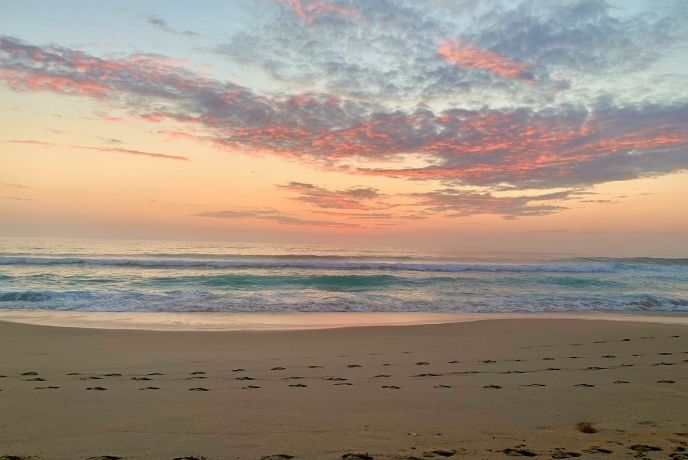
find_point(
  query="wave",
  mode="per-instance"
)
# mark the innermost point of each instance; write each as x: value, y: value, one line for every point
x: 246, y: 263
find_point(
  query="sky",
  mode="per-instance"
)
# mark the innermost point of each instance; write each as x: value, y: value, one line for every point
x: 560, y: 125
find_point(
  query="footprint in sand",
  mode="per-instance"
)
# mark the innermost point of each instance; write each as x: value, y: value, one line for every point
x: 455, y: 362
x: 244, y: 378
x: 422, y: 363
x: 195, y: 377
x: 619, y: 382
x: 443, y: 386
x: 663, y: 364
x: 96, y: 389
x: 197, y: 373
x: 535, y: 385
x: 594, y: 368
x: 336, y: 379
x: 239, y: 370
x: 426, y: 374
x: 314, y: 367
x: 141, y: 378
x: 598, y: 450
x: 665, y: 381
x: 553, y: 369
x: 298, y: 385
x: 149, y: 388
x: 496, y: 387
x: 155, y: 373
x: 29, y: 373
x: 387, y: 364
x: 584, y: 385
x: 250, y: 387
x: 609, y: 356
x: 645, y: 448
x: 381, y: 376
x: 35, y: 379
x: 277, y: 369
x: 112, y: 375
x: 198, y: 389
x: 562, y: 453
x: 74, y: 373
x: 439, y: 453
x: 102, y: 457
x: 277, y: 457
x: 391, y: 387
x: 548, y: 359
x: 353, y: 365
x: 488, y: 361
x: 46, y: 388
x: 344, y: 383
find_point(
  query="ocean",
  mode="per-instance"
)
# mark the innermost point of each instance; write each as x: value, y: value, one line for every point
x: 98, y: 275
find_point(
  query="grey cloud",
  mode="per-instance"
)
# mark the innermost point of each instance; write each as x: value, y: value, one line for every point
x: 273, y: 215
x: 161, y: 24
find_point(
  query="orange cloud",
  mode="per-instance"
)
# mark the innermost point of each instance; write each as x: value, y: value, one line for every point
x: 162, y: 156
x: 310, y: 10
x: 468, y: 55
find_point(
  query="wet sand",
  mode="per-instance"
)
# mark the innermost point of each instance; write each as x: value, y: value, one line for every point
x: 550, y: 388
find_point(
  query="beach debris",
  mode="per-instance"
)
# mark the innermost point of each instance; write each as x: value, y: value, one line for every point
x: 518, y: 452
x: 357, y: 457
x: 585, y: 427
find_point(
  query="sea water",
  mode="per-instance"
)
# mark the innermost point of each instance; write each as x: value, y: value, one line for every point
x: 98, y: 275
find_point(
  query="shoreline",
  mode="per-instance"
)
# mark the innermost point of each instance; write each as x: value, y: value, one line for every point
x: 294, y: 321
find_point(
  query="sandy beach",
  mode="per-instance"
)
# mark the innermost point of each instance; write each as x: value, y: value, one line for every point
x: 550, y: 388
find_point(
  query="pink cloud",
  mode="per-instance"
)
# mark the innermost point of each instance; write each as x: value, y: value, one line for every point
x: 467, y: 55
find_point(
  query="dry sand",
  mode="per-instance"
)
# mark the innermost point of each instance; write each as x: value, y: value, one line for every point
x: 487, y: 389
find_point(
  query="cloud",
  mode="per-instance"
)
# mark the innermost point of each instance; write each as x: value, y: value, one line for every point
x: 462, y: 203
x: 161, y: 156
x: 465, y: 54
x: 311, y: 10
x: 393, y: 56
x: 561, y: 145
x: 12, y: 185
x: 161, y: 24
x: 273, y: 215
x: 356, y: 198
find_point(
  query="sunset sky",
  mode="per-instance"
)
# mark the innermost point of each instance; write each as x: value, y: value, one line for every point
x: 510, y: 124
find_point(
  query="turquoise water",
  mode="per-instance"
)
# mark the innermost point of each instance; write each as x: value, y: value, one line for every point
x: 95, y: 275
